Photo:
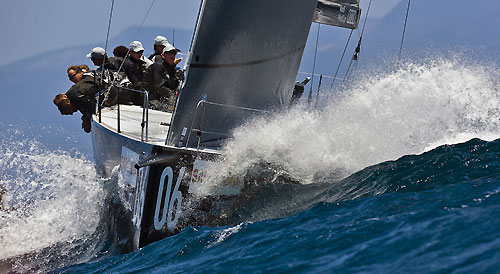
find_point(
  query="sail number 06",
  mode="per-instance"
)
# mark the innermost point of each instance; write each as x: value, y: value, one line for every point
x: 168, y: 205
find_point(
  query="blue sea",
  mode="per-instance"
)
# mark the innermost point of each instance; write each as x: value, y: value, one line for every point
x: 398, y: 173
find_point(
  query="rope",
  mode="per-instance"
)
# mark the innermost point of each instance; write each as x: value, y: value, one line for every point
x: 358, y: 48
x: 341, y: 59
x: 319, y: 88
x: 109, y: 26
x: 354, y: 58
x: 366, y: 17
x: 309, y: 98
x: 105, y: 50
x: 138, y: 30
x: 404, y: 30
x: 355, y: 66
x: 128, y: 52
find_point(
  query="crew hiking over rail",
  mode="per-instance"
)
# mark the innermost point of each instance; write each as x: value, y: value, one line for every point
x: 122, y: 79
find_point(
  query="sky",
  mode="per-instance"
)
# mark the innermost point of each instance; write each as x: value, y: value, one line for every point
x: 31, y: 27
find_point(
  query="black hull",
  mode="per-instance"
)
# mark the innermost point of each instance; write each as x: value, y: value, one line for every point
x: 157, y: 181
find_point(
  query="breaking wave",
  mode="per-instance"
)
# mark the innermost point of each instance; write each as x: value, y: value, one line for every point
x: 385, y: 116
x: 57, y: 204
x: 53, y: 204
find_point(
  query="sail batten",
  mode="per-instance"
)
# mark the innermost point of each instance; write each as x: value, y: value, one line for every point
x: 249, y: 63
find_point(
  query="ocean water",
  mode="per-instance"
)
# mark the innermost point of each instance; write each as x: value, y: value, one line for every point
x: 397, y: 173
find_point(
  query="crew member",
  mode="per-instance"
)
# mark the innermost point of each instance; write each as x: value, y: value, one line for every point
x: 77, y: 73
x: 99, y: 58
x: 120, y: 52
x: 135, y: 65
x: 80, y: 97
x: 159, y: 44
x: 298, y: 89
x: 163, y: 79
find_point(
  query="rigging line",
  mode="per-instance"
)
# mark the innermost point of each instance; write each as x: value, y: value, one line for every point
x: 128, y: 52
x: 146, y: 16
x: 319, y: 88
x: 138, y: 30
x: 404, y: 30
x: 309, y: 98
x: 358, y: 48
x: 354, y: 67
x: 364, y: 24
x: 362, y: 55
x: 354, y: 58
x: 346, y: 73
x: 341, y: 59
x: 366, y: 17
x: 105, y: 50
x: 109, y: 26
x: 340, y: 62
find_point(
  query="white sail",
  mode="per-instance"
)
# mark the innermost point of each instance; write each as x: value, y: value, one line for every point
x: 245, y: 55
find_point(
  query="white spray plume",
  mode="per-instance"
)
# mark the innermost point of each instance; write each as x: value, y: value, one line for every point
x: 385, y: 116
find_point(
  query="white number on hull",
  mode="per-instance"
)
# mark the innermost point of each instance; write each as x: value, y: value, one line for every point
x: 140, y: 192
x: 168, y: 206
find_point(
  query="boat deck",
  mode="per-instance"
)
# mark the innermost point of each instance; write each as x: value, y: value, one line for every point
x: 130, y: 123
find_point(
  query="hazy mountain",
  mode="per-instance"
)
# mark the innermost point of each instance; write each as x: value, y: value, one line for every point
x: 446, y: 25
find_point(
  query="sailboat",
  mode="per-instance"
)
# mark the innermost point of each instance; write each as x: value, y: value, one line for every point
x: 243, y: 62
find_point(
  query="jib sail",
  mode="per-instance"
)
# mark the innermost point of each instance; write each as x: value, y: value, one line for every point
x: 244, y: 59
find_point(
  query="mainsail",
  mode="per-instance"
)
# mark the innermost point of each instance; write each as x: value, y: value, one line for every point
x: 340, y: 13
x: 245, y: 57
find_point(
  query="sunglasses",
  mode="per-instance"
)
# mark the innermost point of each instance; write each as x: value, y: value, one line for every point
x: 71, y: 77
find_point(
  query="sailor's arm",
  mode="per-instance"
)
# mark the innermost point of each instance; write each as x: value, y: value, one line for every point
x: 86, y: 124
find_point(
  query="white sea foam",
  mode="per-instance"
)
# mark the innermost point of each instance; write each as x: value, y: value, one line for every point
x: 385, y: 116
x: 54, y: 198
x: 224, y: 234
